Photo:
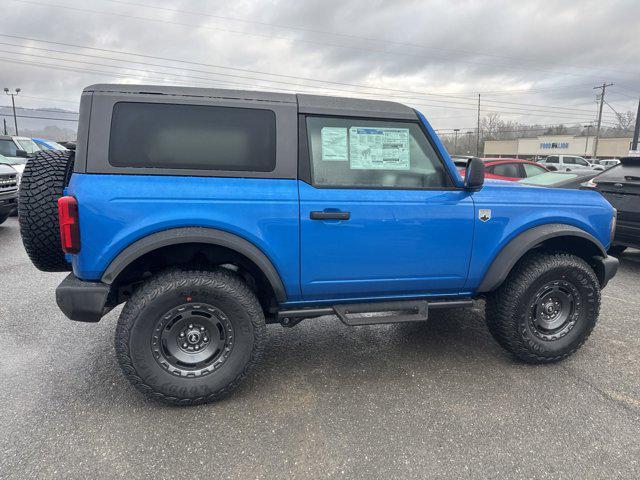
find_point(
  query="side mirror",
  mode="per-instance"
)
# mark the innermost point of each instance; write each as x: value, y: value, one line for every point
x: 21, y: 153
x: 474, y: 174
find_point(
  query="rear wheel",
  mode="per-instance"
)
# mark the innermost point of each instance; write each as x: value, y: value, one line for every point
x: 546, y: 309
x: 190, y: 336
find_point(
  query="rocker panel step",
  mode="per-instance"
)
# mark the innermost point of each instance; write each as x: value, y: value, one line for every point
x: 407, y: 311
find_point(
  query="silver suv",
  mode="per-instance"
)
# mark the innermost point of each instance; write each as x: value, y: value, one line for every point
x: 568, y: 163
x: 16, y: 150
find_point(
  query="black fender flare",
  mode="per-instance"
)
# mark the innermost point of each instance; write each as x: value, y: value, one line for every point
x: 524, y: 242
x: 176, y: 236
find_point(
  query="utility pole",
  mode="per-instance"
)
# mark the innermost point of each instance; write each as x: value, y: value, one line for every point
x: 478, y: 132
x: 586, y: 144
x: 4, y: 120
x: 634, y: 143
x: 455, y: 140
x: 603, y: 87
x: 13, y: 102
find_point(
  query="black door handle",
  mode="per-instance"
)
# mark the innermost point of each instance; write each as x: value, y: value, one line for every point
x: 329, y: 215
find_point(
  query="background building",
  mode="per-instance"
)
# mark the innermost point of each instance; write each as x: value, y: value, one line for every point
x: 544, y: 145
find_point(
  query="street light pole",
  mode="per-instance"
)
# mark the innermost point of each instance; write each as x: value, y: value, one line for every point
x: 13, y: 103
x: 455, y: 140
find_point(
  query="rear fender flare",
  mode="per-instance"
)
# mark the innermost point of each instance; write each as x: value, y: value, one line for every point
x: 523, y: 243
x: 211, y: 236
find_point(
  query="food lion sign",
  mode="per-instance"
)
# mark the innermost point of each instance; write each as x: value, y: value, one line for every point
x: 554, y: 145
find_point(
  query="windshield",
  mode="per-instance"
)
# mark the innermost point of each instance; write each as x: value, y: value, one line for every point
x: 28, y: 145
x: 548, y: 178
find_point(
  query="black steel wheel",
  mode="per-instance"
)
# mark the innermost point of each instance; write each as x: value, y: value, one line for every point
x: 546, y: 308
x: 192, y: 339
x: 554, y: 310
x: 190, y: 336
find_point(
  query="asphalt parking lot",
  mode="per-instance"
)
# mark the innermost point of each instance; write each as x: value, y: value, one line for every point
x: 439, y: 399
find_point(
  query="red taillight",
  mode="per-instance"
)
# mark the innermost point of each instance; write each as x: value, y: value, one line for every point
x: 69, y: 228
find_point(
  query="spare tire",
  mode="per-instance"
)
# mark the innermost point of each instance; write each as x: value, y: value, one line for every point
x: 43, y: 181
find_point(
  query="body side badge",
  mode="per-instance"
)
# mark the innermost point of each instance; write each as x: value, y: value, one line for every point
x: 484, y: 214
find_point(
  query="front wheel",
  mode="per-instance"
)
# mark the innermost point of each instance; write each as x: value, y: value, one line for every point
x: 189, y: 336
x: 546, y: 308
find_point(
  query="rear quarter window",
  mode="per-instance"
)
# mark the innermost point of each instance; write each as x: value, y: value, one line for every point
x: 195, y: 137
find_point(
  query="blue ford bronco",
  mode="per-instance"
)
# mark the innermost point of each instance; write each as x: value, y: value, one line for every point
x: 210, y: 213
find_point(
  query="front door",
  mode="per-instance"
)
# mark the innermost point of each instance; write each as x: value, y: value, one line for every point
x: 379, y: 215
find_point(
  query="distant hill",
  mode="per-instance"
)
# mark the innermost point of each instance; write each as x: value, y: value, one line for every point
x: 52, y: 123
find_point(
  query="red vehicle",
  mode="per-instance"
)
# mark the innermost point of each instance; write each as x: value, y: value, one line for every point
x: 511, y: 169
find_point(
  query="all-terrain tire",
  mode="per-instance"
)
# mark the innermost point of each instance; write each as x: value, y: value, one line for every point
x: 514, y: 312
x: 43, y: 181
x: 149, y: 333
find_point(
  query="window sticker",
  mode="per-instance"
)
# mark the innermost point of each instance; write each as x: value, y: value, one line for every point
x: 334, y: 144
x: 379, y: 148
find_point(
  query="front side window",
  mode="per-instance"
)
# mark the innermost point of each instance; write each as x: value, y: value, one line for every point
x: 198, y: 137
x: 349, y: 152
x: 569, y: 160
x: 581, y: 161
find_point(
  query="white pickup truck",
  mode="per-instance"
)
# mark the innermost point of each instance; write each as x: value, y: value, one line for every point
x: 568, y: 163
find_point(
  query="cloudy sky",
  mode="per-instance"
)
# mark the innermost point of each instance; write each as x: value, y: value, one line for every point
x: 532, y: 61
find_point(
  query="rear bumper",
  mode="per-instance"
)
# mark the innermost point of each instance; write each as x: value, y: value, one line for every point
x: 82, y: 301
x: 607, y: 267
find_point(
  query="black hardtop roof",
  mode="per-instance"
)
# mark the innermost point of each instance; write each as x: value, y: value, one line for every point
x: 314, y: 104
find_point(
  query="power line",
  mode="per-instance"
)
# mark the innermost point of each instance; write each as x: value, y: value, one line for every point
x: 46, y: 110
x: 154, y: 57
x: 356, y: 37
x: 185, y: 83
x: 552, y: 109
x: 46, y: 118
x: 245, y: 33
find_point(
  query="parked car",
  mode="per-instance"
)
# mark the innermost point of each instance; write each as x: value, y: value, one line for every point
x: 608, y: 162
x: 44, y: 144
x: 620, y: 185
x: 233, y: 209
x: 510, y: 169
x: 8, y: 190
x: 561, y: 179
x: 16, y: 150
x: 568, y: 163
x: 461, y: 161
